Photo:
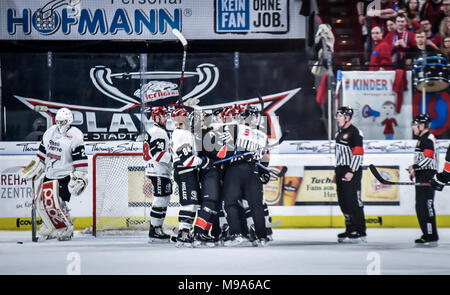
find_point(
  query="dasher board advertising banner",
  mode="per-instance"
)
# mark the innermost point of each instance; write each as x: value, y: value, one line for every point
x: 379, y: 111
x: 317, y: 187
x: 150, y: 19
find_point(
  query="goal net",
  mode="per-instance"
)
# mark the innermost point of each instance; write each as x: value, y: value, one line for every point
x: 122, y: 195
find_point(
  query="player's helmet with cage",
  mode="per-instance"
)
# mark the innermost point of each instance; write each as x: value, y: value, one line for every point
x: 179, y: 115
x: 422, y: 119
x: 346, y: 111
x: 63, y: 119
x: 250, y: 111
x: 158, y: 111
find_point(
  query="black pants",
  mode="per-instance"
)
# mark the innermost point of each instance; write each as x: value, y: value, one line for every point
x: 161, y: 186
x: 349, y: 198
x: 240, y: 180
x: 188, y: 187
x: 63, y: 192
x: 211, y: 189
x: 425, y: 205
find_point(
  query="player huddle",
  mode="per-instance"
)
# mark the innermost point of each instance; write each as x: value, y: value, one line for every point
x: 218, y: 161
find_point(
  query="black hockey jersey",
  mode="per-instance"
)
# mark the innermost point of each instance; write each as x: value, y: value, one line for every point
x: 210, y: 143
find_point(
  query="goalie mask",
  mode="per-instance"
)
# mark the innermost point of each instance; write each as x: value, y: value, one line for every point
x: 63, y: 119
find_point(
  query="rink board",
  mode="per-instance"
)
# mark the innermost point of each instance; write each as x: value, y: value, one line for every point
x: 382, y: 221
x: 290, y: 200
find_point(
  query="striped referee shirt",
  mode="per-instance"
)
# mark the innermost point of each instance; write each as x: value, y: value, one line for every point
x: 425, y: 154
x: 349, y: 148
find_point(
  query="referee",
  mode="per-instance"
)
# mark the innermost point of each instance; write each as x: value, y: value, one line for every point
x: 423, y: 170
x: 348, y: 174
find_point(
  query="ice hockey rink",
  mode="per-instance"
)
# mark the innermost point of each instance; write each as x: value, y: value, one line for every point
x: 389, y: 251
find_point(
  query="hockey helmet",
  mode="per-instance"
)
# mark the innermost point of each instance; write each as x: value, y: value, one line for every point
x: 63, y: 119
x: 250, y: 111
x: 158, y: 111
x: 232, y: 111
x: 422, y: 119
x: 180, y: 114
x: 346, y: 111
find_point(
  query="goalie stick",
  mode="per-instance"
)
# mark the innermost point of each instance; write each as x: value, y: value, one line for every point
x: 34, y: 237
x: 380, y: 178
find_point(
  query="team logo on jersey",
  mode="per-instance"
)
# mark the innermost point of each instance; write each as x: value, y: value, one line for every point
x: 345, y: 136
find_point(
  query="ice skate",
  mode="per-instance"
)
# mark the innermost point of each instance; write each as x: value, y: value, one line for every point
x: 203, y: 240
x: 343, y: 237
x: 426, y: 242
x: 64, y: 234
x: 252, y: 236
x: 356, y: 238
x: 264, y: 242
x: 184, y: 239
x: 45, y: 233
x: 224, y: 234
x: 157, y: 235
x: 234, y: 240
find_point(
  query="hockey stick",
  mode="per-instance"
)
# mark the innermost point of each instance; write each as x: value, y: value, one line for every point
x: 274, y: 223
x: 183, y: 171
x: 34, y: 237
x: 278, y: 174
x: 378, y: 176
x: 261, y: 112
x: 183, y: 41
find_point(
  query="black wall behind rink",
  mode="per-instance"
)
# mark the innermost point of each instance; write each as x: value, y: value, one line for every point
x: 265, y: 66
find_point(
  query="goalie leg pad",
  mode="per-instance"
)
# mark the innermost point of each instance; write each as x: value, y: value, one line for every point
x: 48, y: 206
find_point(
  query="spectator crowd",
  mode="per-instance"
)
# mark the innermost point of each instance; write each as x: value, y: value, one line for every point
x: 395, y: 33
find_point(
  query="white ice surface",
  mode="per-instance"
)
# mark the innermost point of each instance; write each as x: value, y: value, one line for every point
x: 293, y: 252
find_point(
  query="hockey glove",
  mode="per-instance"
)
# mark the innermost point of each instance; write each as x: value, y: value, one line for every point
x: 226, y: 136
x: 264, y: 175
x: 34, y: 169
x: 78, y: 182
x: 436, y: 184
x: 206, y: 163
x: 249, y: 156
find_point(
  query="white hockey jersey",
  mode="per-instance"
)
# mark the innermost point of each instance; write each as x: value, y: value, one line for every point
x: 249, y: 139
x: 184, y: 149
x: 156, y: 151
x: 62, y: 153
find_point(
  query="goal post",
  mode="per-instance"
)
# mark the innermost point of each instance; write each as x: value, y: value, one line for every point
x: 122, y: 195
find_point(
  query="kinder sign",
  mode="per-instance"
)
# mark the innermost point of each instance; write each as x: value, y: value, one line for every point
x: 372, y: 96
